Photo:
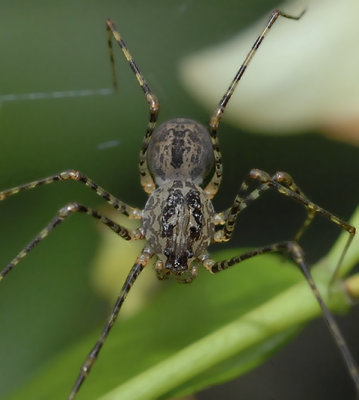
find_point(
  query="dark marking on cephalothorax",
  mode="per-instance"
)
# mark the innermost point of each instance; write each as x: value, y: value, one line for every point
x: 178, y: 225
x: 177, y: 262
x: 174, y: 201
x: 194, y: 202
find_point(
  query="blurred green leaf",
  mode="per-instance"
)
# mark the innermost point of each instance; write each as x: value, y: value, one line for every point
x: 178, y: 317
x: 190, y: 337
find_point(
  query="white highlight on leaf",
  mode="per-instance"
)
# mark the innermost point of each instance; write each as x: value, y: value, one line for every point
x: 304, y: 75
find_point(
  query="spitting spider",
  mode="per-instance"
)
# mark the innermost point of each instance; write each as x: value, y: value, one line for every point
x: 178, y: 220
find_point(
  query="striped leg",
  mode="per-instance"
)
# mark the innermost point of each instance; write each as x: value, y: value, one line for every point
x: 312, y: 208
x: 285, y: 179
x: 141, y: 262
x: 283, y: 183
x: 212, y: 187
x: 72, y: 174
x: 229, y: 217
x: 146, y: 179
x: 296, y: 254
x: 62, y: 214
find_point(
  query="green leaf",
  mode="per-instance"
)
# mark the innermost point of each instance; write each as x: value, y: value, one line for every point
x: 187, y: 332
x: 189, y: 337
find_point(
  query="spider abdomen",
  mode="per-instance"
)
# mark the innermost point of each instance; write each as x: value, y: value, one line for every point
x: 178, y: 225
x: 180, y: 149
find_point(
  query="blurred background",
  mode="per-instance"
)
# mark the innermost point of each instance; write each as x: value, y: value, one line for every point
x: 50, y: 300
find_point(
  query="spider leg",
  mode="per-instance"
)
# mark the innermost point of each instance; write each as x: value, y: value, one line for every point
x: 75, y: 175
x: 312, y: 208
x: 141, y: 262
x: 286, y: 180
x: 243, y: 198
x: 146, y: 179
x: 296, y: 254
x: 283, y: 183
x: 213, y: 185
x: 62, y: 214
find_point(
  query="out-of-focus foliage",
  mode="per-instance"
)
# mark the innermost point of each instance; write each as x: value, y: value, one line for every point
x: 303, y: 77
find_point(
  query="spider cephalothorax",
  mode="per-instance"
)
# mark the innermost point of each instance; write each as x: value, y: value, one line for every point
x: 178, y: 226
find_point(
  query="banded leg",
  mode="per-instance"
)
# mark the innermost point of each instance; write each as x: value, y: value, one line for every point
x: 296, y: 254
x: 312, y: 210
x: 146, y: 179
x: 290, y: 189
x: 285, y: 179
x: 141, y: 262
x: 244, y: 197
x: 75, y: 175
x: 212, y: 187
x: 62, y: 214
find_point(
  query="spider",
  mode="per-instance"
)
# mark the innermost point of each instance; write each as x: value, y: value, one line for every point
x: 178, y: 220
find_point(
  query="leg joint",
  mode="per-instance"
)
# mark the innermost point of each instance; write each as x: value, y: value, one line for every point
x: 71, y: 174
x: 86, y: 366
x: 283, y: 177
x: 70, y: 208
x: 294, y: 249
x: 260, y: 175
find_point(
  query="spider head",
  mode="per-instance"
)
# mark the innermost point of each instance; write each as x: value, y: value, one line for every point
x: 181, y: 266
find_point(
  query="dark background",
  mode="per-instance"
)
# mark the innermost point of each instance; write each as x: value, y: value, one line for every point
x: 49, y: 300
